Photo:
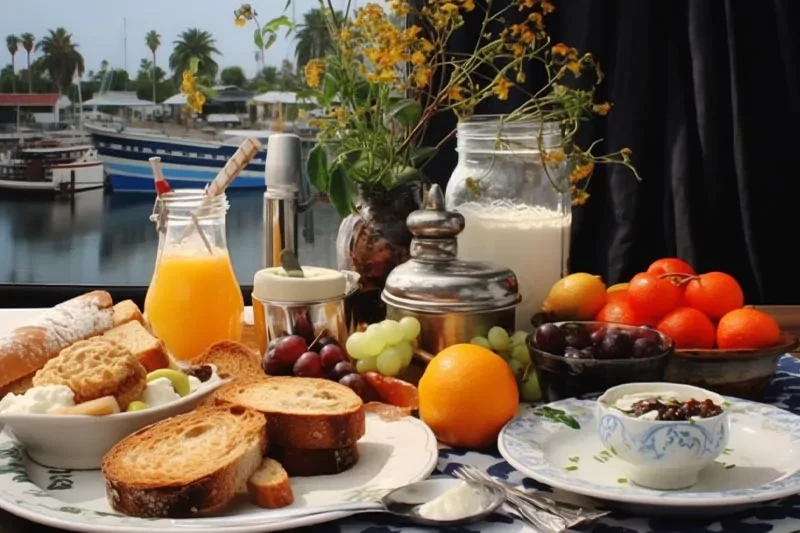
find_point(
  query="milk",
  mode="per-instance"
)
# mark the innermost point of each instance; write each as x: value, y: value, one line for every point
x: 532, y: 241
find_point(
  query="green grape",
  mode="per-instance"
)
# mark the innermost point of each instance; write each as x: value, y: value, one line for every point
x: 355, y: 346
x: 411, y: 327
x: 519, y: 338
x: 392, y: 331
x: 518, y: 368
x: 530, y: 390
x: 390, y: 362
x: 481, y: 341
x: 370, y: 364
x: 498, y: 338
x: 505, y: 354
x: 406, y: 352
x: 373, y: 343
x: 520, y: 353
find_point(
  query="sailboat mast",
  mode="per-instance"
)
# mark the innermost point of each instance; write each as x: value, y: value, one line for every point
x: 125, y: 45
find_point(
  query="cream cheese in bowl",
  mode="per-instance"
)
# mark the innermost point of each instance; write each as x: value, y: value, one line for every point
x: 38, y: 400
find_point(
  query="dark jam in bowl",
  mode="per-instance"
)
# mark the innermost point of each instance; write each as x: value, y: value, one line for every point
x: 675, y: 410
x: 577, y: 358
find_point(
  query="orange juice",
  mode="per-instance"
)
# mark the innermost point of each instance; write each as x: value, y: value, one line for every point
x: 194, y: 301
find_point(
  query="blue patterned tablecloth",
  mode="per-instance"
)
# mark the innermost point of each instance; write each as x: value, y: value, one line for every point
x: 779, y: 517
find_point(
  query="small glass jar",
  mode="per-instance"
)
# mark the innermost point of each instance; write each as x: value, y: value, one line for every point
x: 194, y: 299
x: 517, y: 213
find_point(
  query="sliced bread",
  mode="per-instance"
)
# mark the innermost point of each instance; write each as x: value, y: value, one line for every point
x: 150, y: 351
x: 303, y: 412
x: 127, y: 311
x: 191, y: 464
x: 269, y: 486
x: 299, y: 462
x: 232, y: 359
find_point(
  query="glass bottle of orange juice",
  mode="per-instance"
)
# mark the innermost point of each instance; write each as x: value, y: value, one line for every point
x: 194, y: 299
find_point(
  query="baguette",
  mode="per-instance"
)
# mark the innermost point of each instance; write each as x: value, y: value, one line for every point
x: 300, y: 462
x: 303, y: 412
x: 26, y: 349
x: 269, y: 486
x: 192, y: 464
x: 232, y: 359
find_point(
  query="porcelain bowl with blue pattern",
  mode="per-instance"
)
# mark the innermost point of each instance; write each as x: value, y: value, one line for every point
x: 661, y: 454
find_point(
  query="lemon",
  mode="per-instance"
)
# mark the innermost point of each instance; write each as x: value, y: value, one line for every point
x: 618, y: 287
x: 579, y: 296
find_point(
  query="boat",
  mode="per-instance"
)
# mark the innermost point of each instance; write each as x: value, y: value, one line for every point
x: 187, y: 162
x: 51, y: 166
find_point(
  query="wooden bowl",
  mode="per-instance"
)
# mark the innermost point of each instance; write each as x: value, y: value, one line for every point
x: 739, y: 373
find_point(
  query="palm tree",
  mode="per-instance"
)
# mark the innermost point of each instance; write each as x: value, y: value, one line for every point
x: 153, y: 41
x: 28, y: 42
x: 314, y: 38
x: 12, y: 43
x: 60, y: 57
x: 194, y: 43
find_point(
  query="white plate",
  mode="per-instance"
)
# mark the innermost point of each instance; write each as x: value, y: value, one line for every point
x: 764, y: 449
x: 392, y: 454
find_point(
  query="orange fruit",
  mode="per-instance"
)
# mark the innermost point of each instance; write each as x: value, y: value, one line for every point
x: 618, y: 296
x: 466, y: 396
x: 617, y: 287
x: 578, y: 296
x: 619, y: 310
x: 714, y: 293
x: 747, y: 329
x: 670, y: 265
x: 653, y: 296
x: 689, y: 328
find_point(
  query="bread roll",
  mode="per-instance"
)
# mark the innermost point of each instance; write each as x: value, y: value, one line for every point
x: 27, y: 348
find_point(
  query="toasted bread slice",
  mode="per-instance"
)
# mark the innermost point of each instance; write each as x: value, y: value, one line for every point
x: 269, y: 486
x: 127, y: 311
x: 150, y: 351
x: 299, y: 462
x: 191, y: 464
x: 303, y: 412
x: 232, y: 359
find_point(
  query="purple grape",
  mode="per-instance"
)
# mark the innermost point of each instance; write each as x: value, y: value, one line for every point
x: 643, y: 347
x: 325, y: 341
x: 597, y: 336
x: 331, y: 355
x: 616, y: 345
x: 646, y: 332
x: 549, y: 338
x: 341, y: 369
x: 577, y: 337
x: 356, y: 383
x: 273, y: 344
x: 272, y: 366
x: 570, y: 352
x: 289, y: 349
x: 590, y: 352
x: 309, y: 365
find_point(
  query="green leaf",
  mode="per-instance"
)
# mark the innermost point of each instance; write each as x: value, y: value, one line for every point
x: 310, y: 94
x: 406, y: 111
x: 340, y: 191
x: 288, y: 3
x: 278, y: 22
x: 194, y: 62
x: 331, y: 86
x: 258, y: 39
x: 400, y: 176
x: 270, y: 40
x: 421, y: 155
x: 317, y: 168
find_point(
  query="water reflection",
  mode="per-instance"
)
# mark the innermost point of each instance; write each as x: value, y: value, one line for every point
x: 108, y: 239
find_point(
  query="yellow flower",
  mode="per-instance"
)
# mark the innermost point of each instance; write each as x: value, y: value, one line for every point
x: 554, y: 157
x: 468, y: 5
x: 422, y: 77
x: 602, y: 109
x: 189, y: 83
x: 562, y: 50
x: 195, y: 101
x: 547, y: 7
x: 574, y: 67
x: 399, y: 7
x: 418, y: 58
x: 314, y: 71
x: 240, y: 21
x: 456, y: 93
x: 579, y: 196
x: 626, y: 153
x: 581, y: 172
x: 501, y: 88
x: 526, y: 4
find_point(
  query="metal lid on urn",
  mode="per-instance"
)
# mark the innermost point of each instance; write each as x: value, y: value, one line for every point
x: 434, y: 280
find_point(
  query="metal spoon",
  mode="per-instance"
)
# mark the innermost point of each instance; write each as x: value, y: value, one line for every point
x: 290, y: 264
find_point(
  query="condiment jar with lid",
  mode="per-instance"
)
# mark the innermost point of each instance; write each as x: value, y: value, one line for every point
x: 453, y: 300
x: 311, y: 305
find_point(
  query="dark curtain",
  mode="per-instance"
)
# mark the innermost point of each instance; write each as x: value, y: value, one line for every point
x: 707, y: 94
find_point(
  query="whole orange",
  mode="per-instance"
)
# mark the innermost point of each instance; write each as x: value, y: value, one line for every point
x: 714, y: 293
x: 689, y: 329
x: 747, y: 329
x: 466, y: 396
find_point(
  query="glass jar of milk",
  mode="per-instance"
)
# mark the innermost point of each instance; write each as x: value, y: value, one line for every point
x: 517, y: 213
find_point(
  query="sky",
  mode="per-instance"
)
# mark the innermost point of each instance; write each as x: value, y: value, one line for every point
x: 99, y: 27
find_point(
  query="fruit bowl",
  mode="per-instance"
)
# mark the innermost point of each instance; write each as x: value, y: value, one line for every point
x: 564, y: 374
x: 738, y: 373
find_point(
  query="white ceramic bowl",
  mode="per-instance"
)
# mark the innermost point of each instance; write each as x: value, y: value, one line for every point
x: 79, y: 442
x: 662, y: 454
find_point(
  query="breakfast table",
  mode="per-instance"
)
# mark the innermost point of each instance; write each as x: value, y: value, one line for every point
x: 777, y: 517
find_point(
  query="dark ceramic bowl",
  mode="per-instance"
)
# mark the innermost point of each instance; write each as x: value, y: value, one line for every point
x: 561, y: 377
x: 739, y: 373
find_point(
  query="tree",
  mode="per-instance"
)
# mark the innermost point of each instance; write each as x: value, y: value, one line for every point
x: 12, y: 43
x: 194, y: 43
x: 313, y: 37
x: 28, y: 42
x: 233, y: 76
x: 288, y: 80
x: 153, y: 41
x: 60, y: 57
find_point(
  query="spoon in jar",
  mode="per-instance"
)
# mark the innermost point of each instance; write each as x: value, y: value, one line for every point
x: 291, y: 265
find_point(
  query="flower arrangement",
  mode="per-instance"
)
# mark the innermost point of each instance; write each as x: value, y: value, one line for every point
x: 384, y: 81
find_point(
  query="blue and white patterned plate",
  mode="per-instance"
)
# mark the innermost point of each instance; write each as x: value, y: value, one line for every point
x: 761, y: 462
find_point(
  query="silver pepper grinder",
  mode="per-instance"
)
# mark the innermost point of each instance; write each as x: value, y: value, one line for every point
x: 283, y: 174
